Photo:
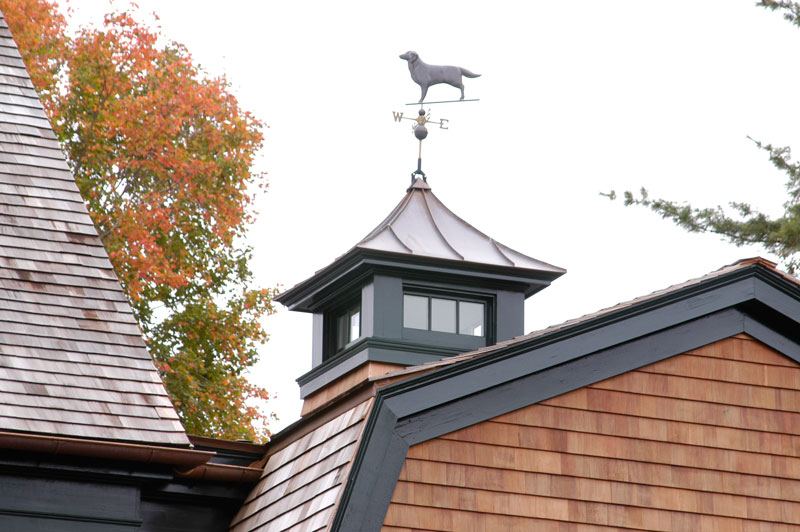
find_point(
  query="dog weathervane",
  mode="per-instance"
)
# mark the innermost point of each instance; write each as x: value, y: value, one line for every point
x: 426, y: 75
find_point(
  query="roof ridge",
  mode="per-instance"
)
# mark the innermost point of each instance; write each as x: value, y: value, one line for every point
x: 436, y: 225
x: 389, y: 219
x: 394, y: 234
x: 500, y: 250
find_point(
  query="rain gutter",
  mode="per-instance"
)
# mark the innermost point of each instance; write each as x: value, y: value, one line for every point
x: 149, y: 454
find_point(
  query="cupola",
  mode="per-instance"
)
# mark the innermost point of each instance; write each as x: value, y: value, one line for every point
x: 421, y: 286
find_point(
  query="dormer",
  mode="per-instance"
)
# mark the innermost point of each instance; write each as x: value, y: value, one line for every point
x: 421, y: 286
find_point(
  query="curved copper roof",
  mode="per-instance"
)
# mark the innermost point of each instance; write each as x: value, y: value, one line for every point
x: 422, y: 225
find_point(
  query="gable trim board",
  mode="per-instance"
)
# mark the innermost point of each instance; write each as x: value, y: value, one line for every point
x: 753, y: 299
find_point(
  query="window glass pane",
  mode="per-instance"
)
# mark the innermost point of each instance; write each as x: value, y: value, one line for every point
x: 355, y: 324
x: 341, y: 332
x: 443, y: 315
x: 415, y: 312
x: 470, y: 318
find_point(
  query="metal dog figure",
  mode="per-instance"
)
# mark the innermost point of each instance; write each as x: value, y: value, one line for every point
x: 426, y: 75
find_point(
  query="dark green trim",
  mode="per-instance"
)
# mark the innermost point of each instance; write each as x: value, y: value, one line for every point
x: 358, y: 264
x: 82, y: 494
x: 388, y: 350
x: 126, y: 524
x: 40, y: 523
x: 569, y: 376
x: 376, y: 461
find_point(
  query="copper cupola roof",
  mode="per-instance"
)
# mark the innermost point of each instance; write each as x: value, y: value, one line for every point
x: 422, y: 225
x: 422, y: 230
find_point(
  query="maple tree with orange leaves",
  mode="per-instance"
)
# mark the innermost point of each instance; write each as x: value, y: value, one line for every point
x: 162, y: 154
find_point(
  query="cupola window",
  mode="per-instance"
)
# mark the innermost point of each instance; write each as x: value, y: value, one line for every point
x: 447, y: 315
x: 348, y: 326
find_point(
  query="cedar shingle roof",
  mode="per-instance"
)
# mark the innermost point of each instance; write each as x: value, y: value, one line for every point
x: 72, y: 359
x: 301, y: 483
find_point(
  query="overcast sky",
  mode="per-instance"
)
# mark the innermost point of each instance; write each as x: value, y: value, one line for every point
x: 576, y: 98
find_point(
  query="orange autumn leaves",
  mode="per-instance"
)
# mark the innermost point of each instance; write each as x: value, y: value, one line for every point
x: 162, y: 155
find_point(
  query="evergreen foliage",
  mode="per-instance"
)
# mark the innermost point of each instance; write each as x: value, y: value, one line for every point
x: 746, y: 225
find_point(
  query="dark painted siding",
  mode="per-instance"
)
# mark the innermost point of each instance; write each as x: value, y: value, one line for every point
x: 36, y: 504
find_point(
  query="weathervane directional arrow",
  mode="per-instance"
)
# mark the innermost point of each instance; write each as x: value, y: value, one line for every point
x: 421, y: 120
x: 420, y: 131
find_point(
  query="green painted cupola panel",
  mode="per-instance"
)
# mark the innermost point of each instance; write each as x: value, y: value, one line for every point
x: 421, y: 286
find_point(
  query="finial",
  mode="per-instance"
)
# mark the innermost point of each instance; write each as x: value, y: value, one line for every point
x: 420, y: 132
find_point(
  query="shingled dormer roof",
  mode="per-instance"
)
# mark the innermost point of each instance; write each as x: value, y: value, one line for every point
x: 72, y: 359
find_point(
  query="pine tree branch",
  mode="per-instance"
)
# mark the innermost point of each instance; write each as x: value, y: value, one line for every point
x: 790, y: 10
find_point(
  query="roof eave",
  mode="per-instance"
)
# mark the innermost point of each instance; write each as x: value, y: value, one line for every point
x: 181, y: 458
x: 359, y: 261
x: 754, y: 269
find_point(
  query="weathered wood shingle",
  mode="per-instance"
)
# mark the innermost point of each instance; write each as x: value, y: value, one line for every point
x: 705, y: 440
x: 302, y: 481
x: 72, y: 359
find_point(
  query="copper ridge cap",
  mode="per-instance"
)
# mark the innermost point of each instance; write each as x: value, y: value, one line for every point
x: 419, y: 184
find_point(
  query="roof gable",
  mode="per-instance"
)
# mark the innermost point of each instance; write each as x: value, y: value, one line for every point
x: 703, y: 440
x: 72, y: 359
x: 750, y: 297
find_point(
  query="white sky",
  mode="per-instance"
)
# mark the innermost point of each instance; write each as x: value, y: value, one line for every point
x: 576, y: 98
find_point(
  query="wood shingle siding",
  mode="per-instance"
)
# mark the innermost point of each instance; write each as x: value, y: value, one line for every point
x: 706, y: 440
x: 302, y: 481
x: 72, y: 359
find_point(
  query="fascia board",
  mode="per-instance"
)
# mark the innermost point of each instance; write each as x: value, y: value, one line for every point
x: 357, y: 262
x: 517, y: 360
x: 565, y: 377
